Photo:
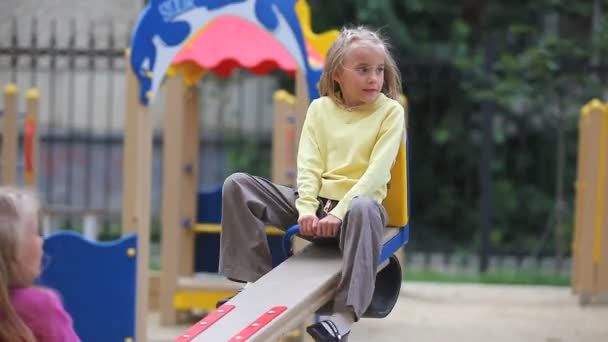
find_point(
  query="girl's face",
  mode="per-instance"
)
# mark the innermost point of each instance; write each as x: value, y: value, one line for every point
x: 30, y: 251
x: 362, y: 74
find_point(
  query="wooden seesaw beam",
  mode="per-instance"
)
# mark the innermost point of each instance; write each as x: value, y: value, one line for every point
x: 277, y: 303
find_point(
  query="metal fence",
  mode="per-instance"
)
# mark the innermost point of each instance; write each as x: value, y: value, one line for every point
x: 81, y: 78
x: 82, y: 87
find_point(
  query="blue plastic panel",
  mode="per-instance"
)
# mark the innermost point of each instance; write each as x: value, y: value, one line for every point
x: 96, y: 282
x: 209, y: 205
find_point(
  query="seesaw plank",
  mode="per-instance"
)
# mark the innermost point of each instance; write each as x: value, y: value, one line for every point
x: 301, y: 284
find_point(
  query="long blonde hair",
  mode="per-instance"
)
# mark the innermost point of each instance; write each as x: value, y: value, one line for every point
x: 335, y: 57
x: 15, y: 207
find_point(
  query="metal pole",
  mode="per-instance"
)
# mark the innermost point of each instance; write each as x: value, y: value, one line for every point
x: 487, y: 155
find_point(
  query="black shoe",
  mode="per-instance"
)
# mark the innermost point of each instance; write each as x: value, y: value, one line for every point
x: 225, y: 300
x: 326, y: 331
x: 222, y: 302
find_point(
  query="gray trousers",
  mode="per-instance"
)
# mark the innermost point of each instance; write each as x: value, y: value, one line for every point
x: 249, y: 203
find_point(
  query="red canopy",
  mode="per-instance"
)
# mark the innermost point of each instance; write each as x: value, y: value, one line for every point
x: 230, y: 42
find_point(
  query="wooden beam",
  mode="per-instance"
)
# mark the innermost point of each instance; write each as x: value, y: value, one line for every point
x: 171, y: 197
x: 580, y: 188
x: 600, y: 247
x: 283, y: 145
x: 9, y: 136
x: 301, y: 106
x: 189, y: 177
x: 30, y: 173
x: 142, y: 193
x: 137, y: 174
x: 129, y: 157
x: 586, y: 268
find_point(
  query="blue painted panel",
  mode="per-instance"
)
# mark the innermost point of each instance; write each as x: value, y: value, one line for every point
x: 392, y: 245
x: 207, y: 245
x: 208, y: 251
x: 209, y: 205
x: 96, y: 282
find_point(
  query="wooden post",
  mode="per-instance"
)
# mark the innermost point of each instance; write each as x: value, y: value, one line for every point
x: 592, y: 199
x: 128, y: 161
x: 283, y: 150
x: 30, y: 173
x: 301, y: 106
x: 137, y: 168
x: 189, y: 177
x: 581, y: 189
x: 600, y: 231
x: 9, y: 136
x: 171, y: 201
x: 591, y: 175
x: 142, y: 193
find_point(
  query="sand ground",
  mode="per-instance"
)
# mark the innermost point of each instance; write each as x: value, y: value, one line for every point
x: 472, y: 313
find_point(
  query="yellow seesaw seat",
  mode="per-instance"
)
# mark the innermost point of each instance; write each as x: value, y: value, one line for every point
x: 396, y: 201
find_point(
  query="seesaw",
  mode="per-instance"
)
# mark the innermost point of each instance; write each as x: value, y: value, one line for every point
x: 302, y: 285
x: 305, y: 283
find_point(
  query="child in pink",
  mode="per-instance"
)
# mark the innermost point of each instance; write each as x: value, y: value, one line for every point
x: 27, y: 313
x: 42, y: 311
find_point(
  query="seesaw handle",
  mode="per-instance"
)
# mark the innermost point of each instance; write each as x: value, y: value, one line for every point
x: 293, y: 230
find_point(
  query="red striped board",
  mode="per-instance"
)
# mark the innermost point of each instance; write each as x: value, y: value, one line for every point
x: 258, y: 324
x: 205, y: 323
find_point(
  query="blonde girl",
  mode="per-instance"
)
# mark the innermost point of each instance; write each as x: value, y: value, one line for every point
x: 350, y: 139
x: 27, y: 313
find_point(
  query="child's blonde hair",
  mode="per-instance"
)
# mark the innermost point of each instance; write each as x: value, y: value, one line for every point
x: 16, y: 207
x: 348, y: 38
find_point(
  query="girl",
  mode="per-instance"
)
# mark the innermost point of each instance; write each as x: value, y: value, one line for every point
x: 350, y: 139
x: 27, y: 313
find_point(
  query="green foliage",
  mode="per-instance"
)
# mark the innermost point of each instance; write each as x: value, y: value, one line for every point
x: 112, y: 231
x: 503, y: 277
x: 248, y: 155
x: 532, y: 61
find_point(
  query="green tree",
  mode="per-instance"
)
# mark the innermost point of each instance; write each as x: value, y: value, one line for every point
x: 546, y: 65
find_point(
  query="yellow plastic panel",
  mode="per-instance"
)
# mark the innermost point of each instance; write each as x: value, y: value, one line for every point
x: 216, y: 228
x: 199, y: 300
x: 396, y: 197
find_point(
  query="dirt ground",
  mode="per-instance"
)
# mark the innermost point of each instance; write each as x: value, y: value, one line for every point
x: 471, y: 313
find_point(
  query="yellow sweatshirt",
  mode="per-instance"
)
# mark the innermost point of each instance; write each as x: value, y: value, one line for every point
x: 347, y: 153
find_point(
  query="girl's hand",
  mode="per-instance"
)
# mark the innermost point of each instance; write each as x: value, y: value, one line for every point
x: 328, y: 226
x: 308, y: 225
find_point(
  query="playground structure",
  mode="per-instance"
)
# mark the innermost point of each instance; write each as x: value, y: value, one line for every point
x: 277, y: 35
x: 72, y: 265
x: 589, y: 247
x: 180, y: 169
x: 182, y: 216
x: 189, y: 214
x: 10, y: 137
x: 199, y: 248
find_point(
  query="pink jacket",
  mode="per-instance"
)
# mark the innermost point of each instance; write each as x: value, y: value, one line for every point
x: 42, y: 311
